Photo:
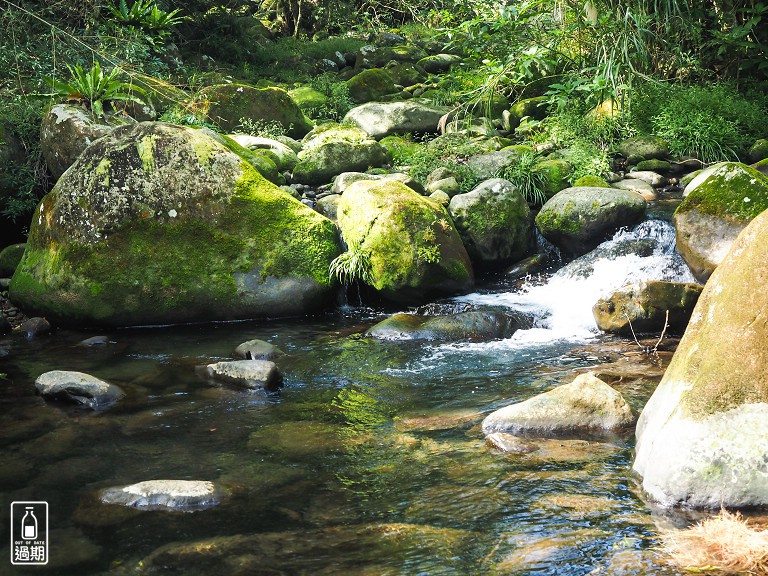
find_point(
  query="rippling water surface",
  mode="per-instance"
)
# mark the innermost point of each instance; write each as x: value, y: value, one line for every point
x: 369, y: 461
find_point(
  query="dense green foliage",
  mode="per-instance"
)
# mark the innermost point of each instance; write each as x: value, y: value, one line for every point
x: 687, y: 71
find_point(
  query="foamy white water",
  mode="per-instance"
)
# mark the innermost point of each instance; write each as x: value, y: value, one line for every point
x: 562, y: 307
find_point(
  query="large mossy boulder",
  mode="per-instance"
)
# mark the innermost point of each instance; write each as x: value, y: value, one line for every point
x: 382, y: 119
x: 67, y: 130
x: 719, y: 203
x: 330, y: 150
x: 576, y: 220
x: 643, y: 147
x: 494, y: 223
x: 407, y: 242
x: 653, y: 306
x: 159, y: 223
x: 701, y: 439
x: 371, y: 85
x: 229, y: 103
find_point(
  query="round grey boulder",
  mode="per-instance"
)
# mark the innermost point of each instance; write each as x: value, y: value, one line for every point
x: 641, y: 148
x: 577, y: 219
x: 381, y: 119
x: 257, y: 350
x: 77, y: 387
x: 184, y: 495
x: 586, y: 405
x: 494, y: 223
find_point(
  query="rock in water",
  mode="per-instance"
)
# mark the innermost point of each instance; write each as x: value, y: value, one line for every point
x: 405, y: 244
x: 253, y: 374
x: 79, y: 388
x: 720, y: 202
x: 494, y: 222
x: 643, y: 307
x: 184, y: 495
x: 474, y: 326
x: 585, y: 405
x: 159, y: 223
x: 257, y: 350
x: 578, y: 219
x: 701, y: 439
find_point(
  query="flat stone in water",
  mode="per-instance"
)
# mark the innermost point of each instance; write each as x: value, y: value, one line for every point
x: 79, y: 388
x: 164, y: 495
x: 257, y: 350
x: 509, y: 443
x: 253, y: 374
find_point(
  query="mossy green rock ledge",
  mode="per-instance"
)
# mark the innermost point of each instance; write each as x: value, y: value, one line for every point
x: 229, y: 103
x: 159, y: 223
x: 701, y: 439
x: 720, y: 202
x: 577, y: 219
x: 408, y: 241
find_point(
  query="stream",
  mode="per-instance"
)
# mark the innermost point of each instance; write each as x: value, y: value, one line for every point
x: 370, y: 460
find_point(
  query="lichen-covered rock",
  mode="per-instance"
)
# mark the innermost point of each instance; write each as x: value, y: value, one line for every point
x: 494, y: 223
x: 409, y: 243
x: 585, y: 405
x: 229, y: 103
x: 331, y: 149
x: 251, y: 373
x: 643, y: 307
x: 186, y: 495
x: 66, y: 131
x: 439, y: 63
x: 370, y: 85
x: 701, y: 438
x: 474, y: 326
x: 79, y: 388
x: 578, y: 219
x: 719, y: 203
x: 10, y: 256
x: 641, y: 148
x: 381, y: 119
x: 161, y: 224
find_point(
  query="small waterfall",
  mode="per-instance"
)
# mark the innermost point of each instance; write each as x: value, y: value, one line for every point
x: 562, y: 306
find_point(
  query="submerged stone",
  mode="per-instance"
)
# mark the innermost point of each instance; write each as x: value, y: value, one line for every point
x: 475, y: 326
x: 78, y: 388
x: 186, y: 495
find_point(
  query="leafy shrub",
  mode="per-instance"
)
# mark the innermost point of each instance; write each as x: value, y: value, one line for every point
x: 337, y: 93
x: 94, y: 88
x: 147, y: 17
x: 187, y: 117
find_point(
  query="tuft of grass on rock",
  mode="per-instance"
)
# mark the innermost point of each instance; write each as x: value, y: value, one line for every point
x: 725, y: 543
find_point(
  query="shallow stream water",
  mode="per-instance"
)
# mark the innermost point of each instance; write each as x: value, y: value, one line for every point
x: 370, y: 459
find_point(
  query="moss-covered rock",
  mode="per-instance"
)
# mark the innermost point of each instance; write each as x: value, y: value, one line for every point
x: 701, y: 437
x: 228, y: 103
x: 409, y: 243
x: 535, y: 108
x: 378, y: 56
x: 556, y: 173
x: 494, y: 223
x: 405, y: 74
x: 281, y: 154
x: 719, y: 203
x: 576, y: 220
x: 10, y: 256
x: 439, y: 63
x: 161, y: 224
x: 758, y: 151
x: 647, y: 307
x: 370, y: 85
x: 490, y: 164
x: 473, y: 326
x: 654, y: 165
x: 309, y: 100
x: 331, y: 149
x: 641, y: 148
x: 591, y: 181
x: 66, y: 131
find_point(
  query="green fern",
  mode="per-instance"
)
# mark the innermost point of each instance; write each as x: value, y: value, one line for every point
x: 94, y: 88
x: 530, y: 180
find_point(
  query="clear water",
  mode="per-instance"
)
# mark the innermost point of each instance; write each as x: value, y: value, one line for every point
x: 369, y: 461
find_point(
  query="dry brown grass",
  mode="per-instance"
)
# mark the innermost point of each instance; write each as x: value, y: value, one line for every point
x: 724, y: 543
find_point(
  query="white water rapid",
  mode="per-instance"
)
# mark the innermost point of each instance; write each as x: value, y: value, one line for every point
x: 562, y: 306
